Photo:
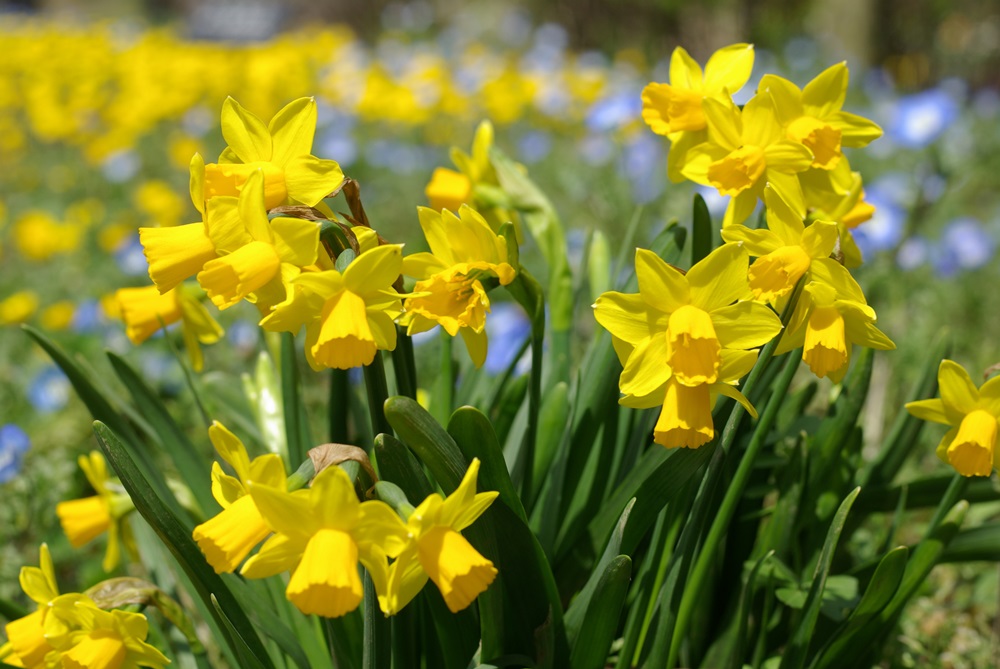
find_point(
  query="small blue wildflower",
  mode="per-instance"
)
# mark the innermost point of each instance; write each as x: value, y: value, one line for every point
x: 920, y: 119
x: 968, y: 242
x: 507, y: 329
x: 913, y: 252
x: 14, y: 443
x: 130, y: 257
x: 534, y: 146
x: 121, y: 166
x: 615, y: 111
x: 49, y: 390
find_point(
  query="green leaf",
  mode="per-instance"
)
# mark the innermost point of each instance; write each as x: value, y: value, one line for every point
x: 246, y: 656
x: 746, y: 605
x: 431, y: 442
x: 264, y: 393
x: 295, y: 420
x: 101, y: 409
x: 880, y: 591
x: 701, y: 230
x: 474, y: 435
x: 191, y: 465
x: 344, y: 258
x: 396, y: 463
x: 977, y: 544
x: 176, y: 535
x: 903, y: 434
x: 599, y: 265
x: 798, y: 647
x: 552, y: 426
x: 581, y: 604
x: 600, y: 624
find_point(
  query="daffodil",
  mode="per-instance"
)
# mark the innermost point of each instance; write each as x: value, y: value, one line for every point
x: 814, y: 117
x: 675, y: 109
x: 685, y: 419
x: 747, y: 149
x: 230, y: 535
x: 85, y: 519
x: 84, y: 636
x: 321, y: 533
x: 438, y: 551
x: 26, y: 636
x: 838, y: 195
x: 683, y: 338
x: 256, y: 256
x: 785, y: 250
x: 449, y: 292
x: 280, y: 151
x: 830, y: 316
x: 145, y: 310
x: 679, y: 324
x: 348, y: 316
x: 970, y: 446
x: 450, y: 189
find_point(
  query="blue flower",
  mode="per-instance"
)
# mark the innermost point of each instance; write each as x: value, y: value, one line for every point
x: 49, y: 390
x: 643, y: 164
x: 130, y: 258
x: 244, y: 337
x: 14, y: 443
x: 615, y: 111
x: 919, y: 119
x: 885, y: 228
x: 913, y: 252
x: 88, y: 317
x: 534, y: 146
x: 507, y: 328
x: 968, y: 242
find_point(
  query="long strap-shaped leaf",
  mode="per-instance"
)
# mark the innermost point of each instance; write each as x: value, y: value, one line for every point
x: 798, y: 646
x: 178, y: 539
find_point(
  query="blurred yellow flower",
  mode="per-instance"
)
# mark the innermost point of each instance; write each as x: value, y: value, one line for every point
x: 38, y: 236
x: 85, y: 519
x: 19, y: 307
x: 57, y: 316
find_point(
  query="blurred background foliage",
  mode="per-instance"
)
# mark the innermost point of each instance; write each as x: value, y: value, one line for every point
x: 103, y: 102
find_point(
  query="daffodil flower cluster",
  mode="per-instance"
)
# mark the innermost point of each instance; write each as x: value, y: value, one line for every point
x: 785, y: 137
x: 70, y: 631
x: 321, y: 533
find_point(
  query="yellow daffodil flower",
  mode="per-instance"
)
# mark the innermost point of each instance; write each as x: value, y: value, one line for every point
x: 144, y: 311
x: 437, y: 550
x: 830, y: 316
x: 685, y: 419
x: 745, y: 151
x: 970, y: 446
x: 280, y: 151
x: 230, y: 535
x: 675, y: 109
x: 85, y: 519
x: 256, y: 255
x: 682, y: 339
x: 784, y: 250
x: 84, y: 636
x: 679, y: 324
x: 18, y: 307
x: 321, y: 533
x: 838, y: 195
x: 349, y: 316
x: 464, y: 252
x: 26, y: 636
x: 449, y: 189
x: 813, y: 115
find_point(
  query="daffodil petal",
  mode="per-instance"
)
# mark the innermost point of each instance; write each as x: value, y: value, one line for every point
x: 745, y: 325
x: 661, y: 286
x: 310, y: 179
x: 647, y: 368
x: 720, y: 278
x: 931, y: 410
x: 729, y: 68
x: 292, y: 130
x: 625, y: 315
x: 684, y: 70
x: 279, y: 553
x: 825, y: 94
x: 958, y: 392
x: 758, y: 242
x: 246, y: 134
x: 854, y: 130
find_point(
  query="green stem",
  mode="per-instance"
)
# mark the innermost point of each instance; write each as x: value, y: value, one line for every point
x: 188, y: 374
x: 955, y: 490
x: 734, y: 492
x: 404, y: 365
x: 290, y: 398
x: 444, y: 385
x: 378, y: 631
x: 378, y: 393
x: 340, y: 405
